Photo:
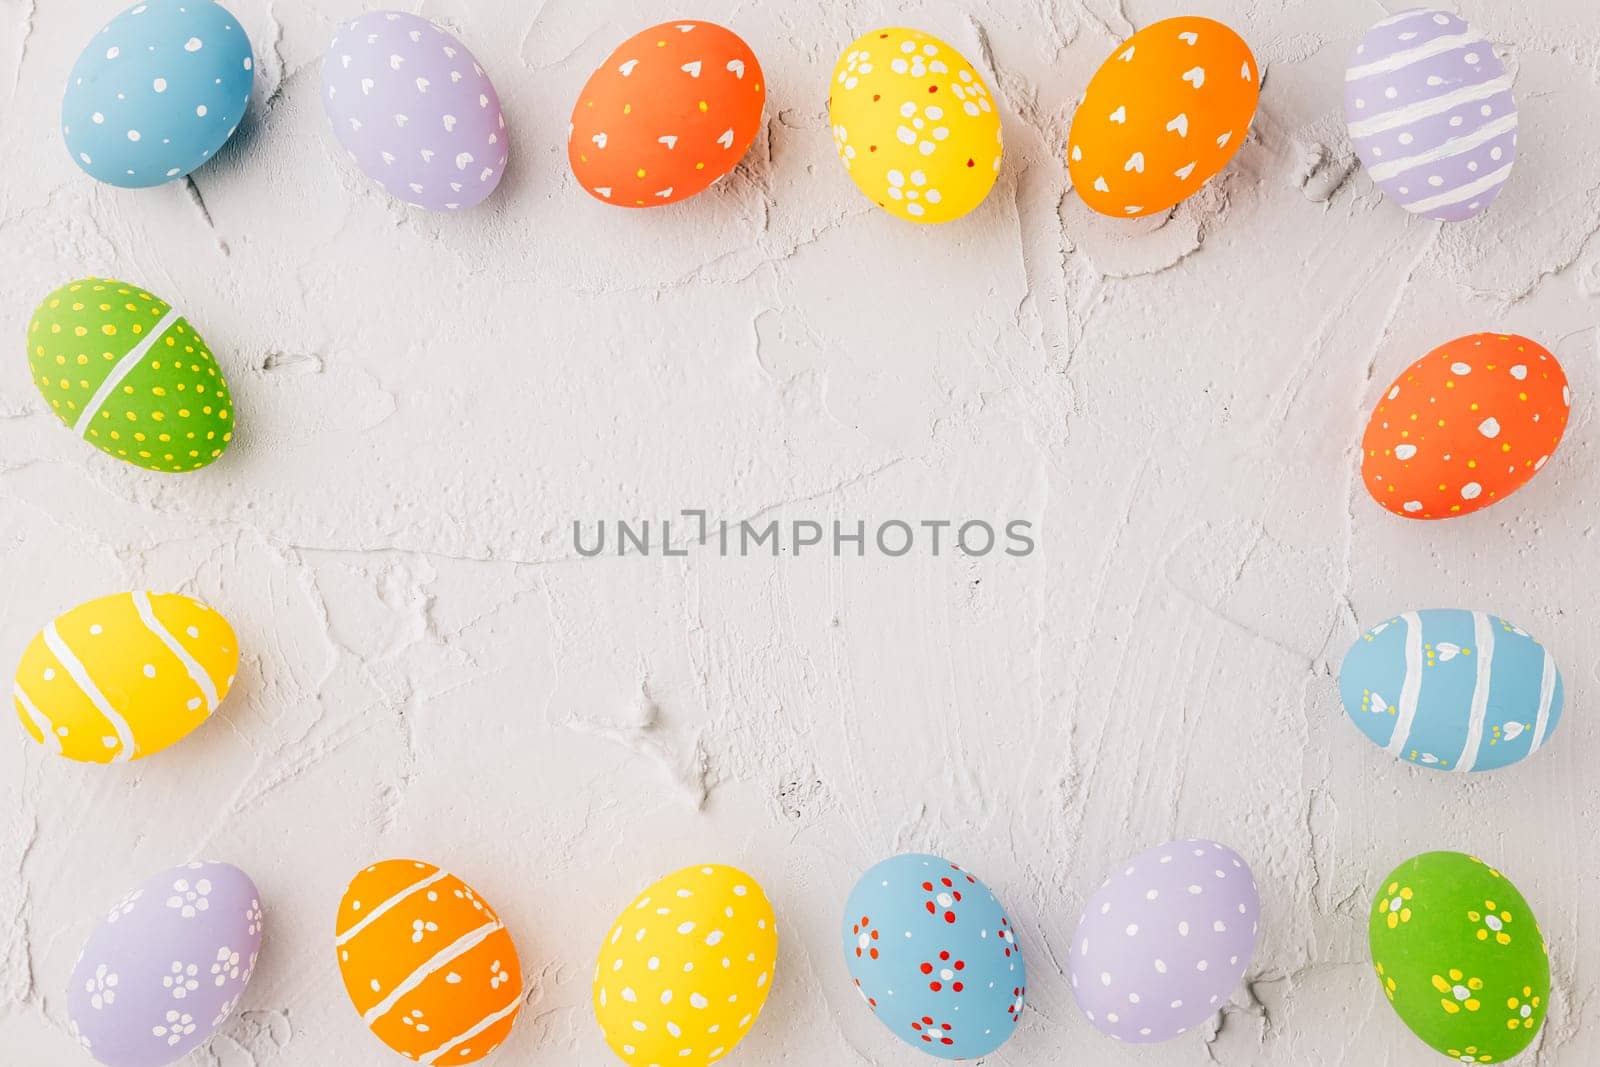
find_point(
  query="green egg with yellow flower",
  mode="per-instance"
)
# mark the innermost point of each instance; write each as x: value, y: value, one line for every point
x: 125, y: 371
x: 1460, y: 957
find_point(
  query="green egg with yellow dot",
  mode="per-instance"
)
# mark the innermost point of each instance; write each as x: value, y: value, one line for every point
x: 125, y: 371
x: 1460, y: 957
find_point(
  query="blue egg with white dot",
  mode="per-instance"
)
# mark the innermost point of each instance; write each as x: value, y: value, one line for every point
x: 157, y: 92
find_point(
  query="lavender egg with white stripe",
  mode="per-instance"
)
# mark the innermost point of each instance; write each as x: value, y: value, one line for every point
x: 1432, y: 114
x: 166, y: 966
x: 1452, y: 690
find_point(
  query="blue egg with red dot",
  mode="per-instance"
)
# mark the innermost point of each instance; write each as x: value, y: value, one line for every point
x: 157, y: 92
x: 933, y: 954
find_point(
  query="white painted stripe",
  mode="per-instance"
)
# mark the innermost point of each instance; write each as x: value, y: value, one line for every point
x: 483, y: 1024
x: 1449, y: 150
x: 75, y: 668
x: 1547, y: 692
x: 1411, y: 56
x: 40, y: 720
x: 197, y: 673
x: 377, y: 913
x: 1483, y: 634
x: 1423, y: 109
x: 1412, y: 687
x: 1404, y: 16
x: 1485, y: 184
x: 460, y: 947
x: 123, y: 368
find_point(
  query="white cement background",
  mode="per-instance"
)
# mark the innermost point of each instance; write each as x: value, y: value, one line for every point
x: 427, y: 403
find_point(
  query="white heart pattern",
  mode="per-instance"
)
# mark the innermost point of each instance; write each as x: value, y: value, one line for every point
x: 691, y: 69
x: 1180, y: 125
x: 1196, y: 76
x: 1120, y: 115
x: 1135, y: 163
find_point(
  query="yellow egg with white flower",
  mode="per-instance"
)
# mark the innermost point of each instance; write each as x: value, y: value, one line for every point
x: 915, y: 125
x: 686, y: 968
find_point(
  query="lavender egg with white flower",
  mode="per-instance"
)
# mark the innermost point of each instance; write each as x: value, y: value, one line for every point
x: 415, y: 110
x: 1432, y: 114
x: 166, y: 966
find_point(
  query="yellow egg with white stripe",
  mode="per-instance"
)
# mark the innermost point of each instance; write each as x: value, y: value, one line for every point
x: 124, y: 676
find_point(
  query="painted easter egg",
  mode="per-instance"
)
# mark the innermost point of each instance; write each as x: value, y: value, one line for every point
x: 157, y: 92
x: 915, y: 125
x: 686, y: 967
x: 934, y: 956
x: 1431, y: 114
x: 415, y: 110
x: 166, y: 966
x: 129, y: 374
x: 427, y: 963
x: 1452, y: 690
x: 1165, y: 940
x: 1460, y: 957
x: 123, y: 677
x: 1162, y: 116
x: 1466, y: 425
x: 667, y: 114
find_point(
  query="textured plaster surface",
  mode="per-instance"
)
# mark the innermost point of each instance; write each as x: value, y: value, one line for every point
x: 426, y: 404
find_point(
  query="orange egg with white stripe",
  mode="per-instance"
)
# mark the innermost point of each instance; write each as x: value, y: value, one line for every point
x: 124, y: 676
x: 427, y: 963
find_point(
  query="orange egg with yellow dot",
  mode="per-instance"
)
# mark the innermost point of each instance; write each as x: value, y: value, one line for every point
x: 667, y: 114
x: 427, y: 963
x: 1465, y: 426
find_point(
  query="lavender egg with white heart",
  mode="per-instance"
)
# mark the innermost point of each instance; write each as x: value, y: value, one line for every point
x: 166, y: 966
x: 415, y: 110
x: 1432, y: 114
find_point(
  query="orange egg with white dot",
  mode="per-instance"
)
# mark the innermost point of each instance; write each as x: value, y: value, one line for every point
x: 427, y: 963
x: 668, y: 113
x: 1465, y: 426
x: 124, y: 676
x: 686, y: 968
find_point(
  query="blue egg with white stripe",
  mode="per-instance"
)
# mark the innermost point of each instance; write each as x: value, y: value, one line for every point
x: 157, y: 92
x: 1452, y: 690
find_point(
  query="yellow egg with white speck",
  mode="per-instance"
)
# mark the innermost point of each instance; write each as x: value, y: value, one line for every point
x: 915, y: 125
x: 686, y: 968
